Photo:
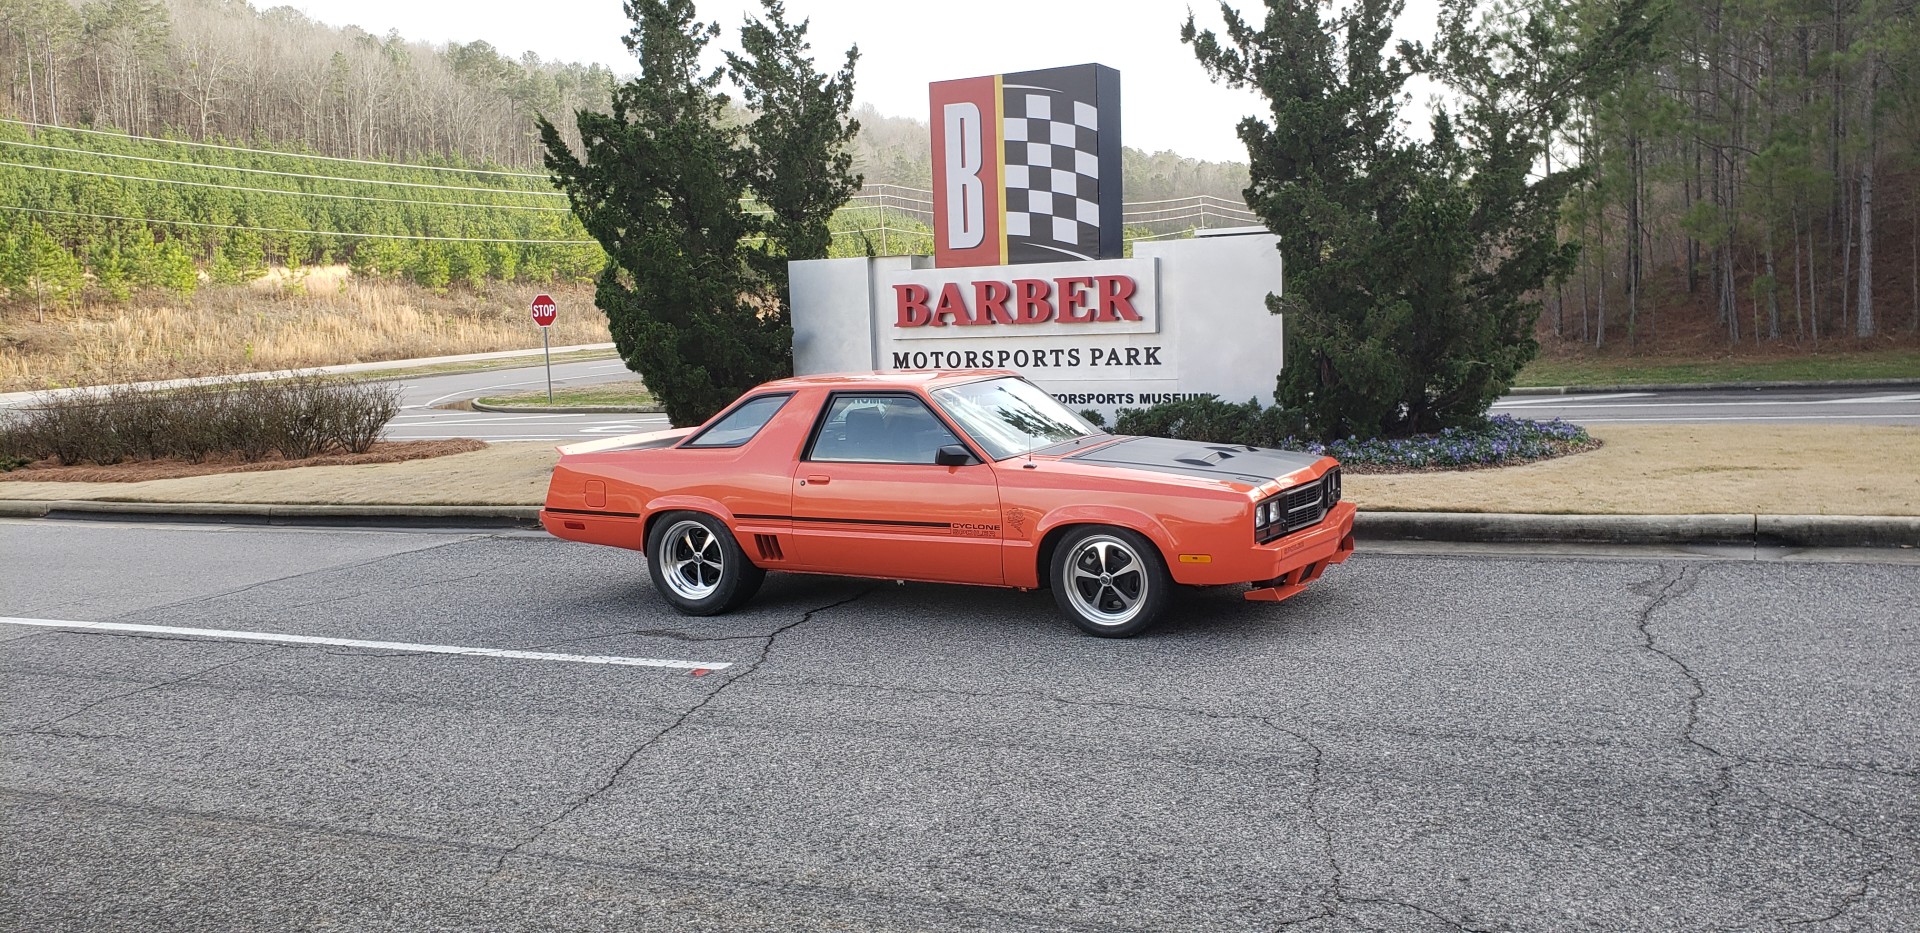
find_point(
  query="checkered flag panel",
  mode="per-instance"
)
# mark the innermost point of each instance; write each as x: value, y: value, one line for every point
x: 1052, y: 173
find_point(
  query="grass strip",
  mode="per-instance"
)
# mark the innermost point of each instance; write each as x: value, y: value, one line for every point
x: 1872, y: 364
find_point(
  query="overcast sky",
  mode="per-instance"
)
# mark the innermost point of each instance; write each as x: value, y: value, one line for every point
x: 1168, y: 101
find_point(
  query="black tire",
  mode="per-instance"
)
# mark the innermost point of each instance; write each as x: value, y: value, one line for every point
x: 697, y: 566
x: 1112, y: 582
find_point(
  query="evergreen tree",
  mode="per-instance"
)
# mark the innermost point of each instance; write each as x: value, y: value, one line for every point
x: 1412, y: 267
x: 41, y: 271
x: 693, y: 308
x: 801, y: 134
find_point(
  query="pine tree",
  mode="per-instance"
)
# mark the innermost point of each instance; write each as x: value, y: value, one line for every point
x: 1413, y: 269
x: 801, y: 135
x: 42, y: 272
x: 693, y: 308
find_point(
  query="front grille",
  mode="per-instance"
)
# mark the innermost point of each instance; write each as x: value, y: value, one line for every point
x: 1303, y: 506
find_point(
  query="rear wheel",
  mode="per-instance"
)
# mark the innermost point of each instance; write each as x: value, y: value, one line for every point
x: 1111, y: 582
x: 697, y: 566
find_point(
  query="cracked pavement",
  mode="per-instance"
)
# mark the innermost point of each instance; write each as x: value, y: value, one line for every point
x: 1419, y: 742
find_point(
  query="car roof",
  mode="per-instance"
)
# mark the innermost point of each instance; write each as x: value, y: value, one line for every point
x: 891, y: 379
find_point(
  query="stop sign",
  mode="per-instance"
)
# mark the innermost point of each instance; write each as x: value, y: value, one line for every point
x: 544, y: 310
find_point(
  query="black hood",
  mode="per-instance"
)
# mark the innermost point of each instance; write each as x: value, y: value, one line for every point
x: 1239, y: 463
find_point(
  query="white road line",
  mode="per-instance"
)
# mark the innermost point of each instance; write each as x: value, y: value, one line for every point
x: 1783, y: 403
x: 407, y: 647
x: 1683, y: 418
x: 482, y: 390
x: 1569, y: 399
x: 478, y: 436
x: 551, y: 417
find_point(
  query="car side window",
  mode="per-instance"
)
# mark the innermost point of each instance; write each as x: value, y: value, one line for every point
x: 879, y: 429
x: 741, y: 424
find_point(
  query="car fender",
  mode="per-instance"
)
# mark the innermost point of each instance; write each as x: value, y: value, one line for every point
x: 685, y: 503
x: 1029, y: 573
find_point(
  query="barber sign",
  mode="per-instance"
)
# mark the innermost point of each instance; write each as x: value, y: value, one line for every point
x: 1026, y: 167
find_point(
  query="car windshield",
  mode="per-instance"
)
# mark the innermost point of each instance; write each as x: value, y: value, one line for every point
x: 1011, y: 416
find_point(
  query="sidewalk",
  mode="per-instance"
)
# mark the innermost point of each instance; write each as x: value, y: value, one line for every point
x: 1647, y: 484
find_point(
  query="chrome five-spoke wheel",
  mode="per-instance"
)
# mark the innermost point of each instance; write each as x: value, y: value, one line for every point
x: 1107, y: 580
x: 1111, y: 581
x: 694, y: 560
x: 698, y: 566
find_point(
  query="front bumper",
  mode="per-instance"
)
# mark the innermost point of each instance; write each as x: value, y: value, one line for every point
x: 1299, y: 558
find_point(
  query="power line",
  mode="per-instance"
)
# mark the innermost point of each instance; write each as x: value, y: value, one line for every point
x: 262, y: 171
x: 373, y: 236
x: 1228, y: 203
x: 304, y: 194
x: 271, y: 152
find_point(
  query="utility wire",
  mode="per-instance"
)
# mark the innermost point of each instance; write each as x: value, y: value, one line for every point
x: 304, y: 194
x: 271, y: 152
x: 339, y: 233
x: 1228, y: 203
x: 262, y: 171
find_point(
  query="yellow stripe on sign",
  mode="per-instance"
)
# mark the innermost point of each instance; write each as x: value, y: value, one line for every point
x: 1000, y: 140
x: 1196, y: 558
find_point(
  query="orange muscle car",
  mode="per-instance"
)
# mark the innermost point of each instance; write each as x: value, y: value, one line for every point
x: 969, y: 476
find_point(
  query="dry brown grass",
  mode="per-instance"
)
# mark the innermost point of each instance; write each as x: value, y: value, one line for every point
x: 1642, y: 469
x: 502, y: 474
x: 317, y: 317
x: 140, y: 471
x: 1685, y: 470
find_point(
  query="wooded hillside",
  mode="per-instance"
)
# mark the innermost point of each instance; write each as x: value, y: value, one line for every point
x: 1751, y: 174
x: 1755, y: 184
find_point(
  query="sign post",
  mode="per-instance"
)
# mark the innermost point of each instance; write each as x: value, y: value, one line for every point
x: 544, y: 311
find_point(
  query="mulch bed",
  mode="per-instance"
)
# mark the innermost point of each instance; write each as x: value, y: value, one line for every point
x: 139, y: 471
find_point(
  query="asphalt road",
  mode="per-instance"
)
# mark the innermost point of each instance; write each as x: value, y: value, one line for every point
x: 1769, y: 406
x: 1422, y: 741
x: 425, y: 415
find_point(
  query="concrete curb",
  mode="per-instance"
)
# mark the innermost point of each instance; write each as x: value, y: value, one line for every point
x: 1717, y: 386
x: 1464, y: 527
x: 568, y: 409
x: 1776, y: 530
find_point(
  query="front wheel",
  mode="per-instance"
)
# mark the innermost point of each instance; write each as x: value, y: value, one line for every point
x: 1111, y: 582
x: 698, y: 567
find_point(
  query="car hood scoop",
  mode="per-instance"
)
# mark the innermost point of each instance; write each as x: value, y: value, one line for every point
x: 1236, y: 462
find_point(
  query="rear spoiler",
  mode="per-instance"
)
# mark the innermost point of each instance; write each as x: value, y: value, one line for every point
x: 649, y: 439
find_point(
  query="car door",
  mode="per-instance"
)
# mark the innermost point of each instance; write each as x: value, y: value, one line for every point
x: 869, y: 500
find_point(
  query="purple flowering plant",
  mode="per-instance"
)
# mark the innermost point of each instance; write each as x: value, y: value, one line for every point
x: 1496, y: 440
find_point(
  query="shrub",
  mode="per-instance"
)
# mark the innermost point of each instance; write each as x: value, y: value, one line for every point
x: 365, y: 410
x: 299, y: 418
x: 1495, y: 440
x: 1207, y: 418
x: 297, y: 415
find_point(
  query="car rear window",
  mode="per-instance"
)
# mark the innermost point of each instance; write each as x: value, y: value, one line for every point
x: 741, y: 424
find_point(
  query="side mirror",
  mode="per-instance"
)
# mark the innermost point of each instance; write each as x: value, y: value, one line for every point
x: 953, y: 455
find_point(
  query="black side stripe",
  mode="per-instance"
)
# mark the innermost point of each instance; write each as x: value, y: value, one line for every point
x: 846, y: 521
x: 598, y: 512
